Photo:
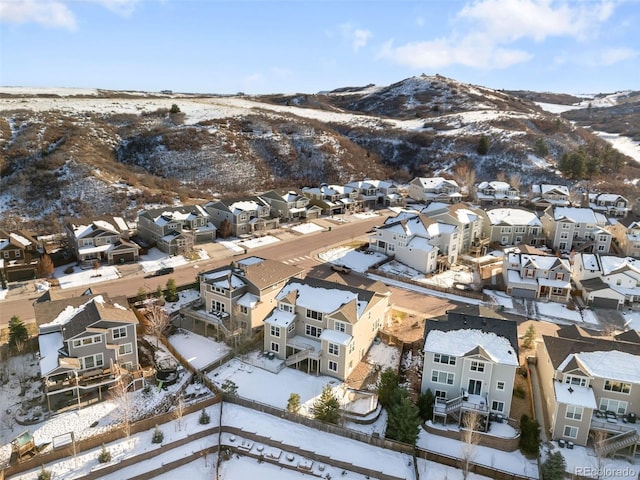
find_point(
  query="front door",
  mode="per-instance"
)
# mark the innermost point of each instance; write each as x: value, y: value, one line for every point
x: 475, y: 386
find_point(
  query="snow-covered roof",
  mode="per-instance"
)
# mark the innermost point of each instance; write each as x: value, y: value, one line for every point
x: 20, y: 239
x: 69, y: 313
x: 575, y: 395
x: 495, y: 185
x: 513, y: 216
x: 280, y: 318
x: 590, y: 262
x: 49, y: 344
x: 432, y: 183
x: 460, y: 342
x: 334, y: 336
x: 579, y: 215
x: 326, y: 300
x: 244, y: 206
x: 248, y: 300
x: 420, y: 243
x: 611, y: 365
x: 611, y: 263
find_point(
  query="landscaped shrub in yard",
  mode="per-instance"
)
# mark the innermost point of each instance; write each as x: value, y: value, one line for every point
x: 105, y: 455
x: 158, y: 435
x: 44, y: 474
x: 204, y: 417
x: 529, y: 435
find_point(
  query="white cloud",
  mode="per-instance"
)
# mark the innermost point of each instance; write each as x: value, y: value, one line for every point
x: 55, y: 13
x: 608, y: 56
x: 49, y: 13
x: 485, y: 30
x: 357, y: 37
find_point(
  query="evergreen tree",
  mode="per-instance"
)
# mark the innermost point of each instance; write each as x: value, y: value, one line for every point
x: 404, y: 421
x: 171, y: 294
x: 388, y: 387
x: 529, y: 337
x: 174, y: 109
x: 541, y: 149
x: 326, y: 408
x: 425, y: 405
x: 483, y: 145
x: 529, y: 435
x: 554, y: 467
x: 18, y: 333
x: 293, y: 405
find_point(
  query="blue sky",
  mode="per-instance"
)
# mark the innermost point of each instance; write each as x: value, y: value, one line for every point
x: 265, y: 46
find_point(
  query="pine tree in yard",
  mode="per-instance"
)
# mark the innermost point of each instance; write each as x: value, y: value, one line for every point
x: 529, y: 337
x: 18, y: 333
x: 388, y: 388
x: 529, y: 435
x: 171, y: 295
x: 293, y: 405
x: 404, y: 420
x: 425, y: 405
x: 554, y: 467
x: 326, y: 408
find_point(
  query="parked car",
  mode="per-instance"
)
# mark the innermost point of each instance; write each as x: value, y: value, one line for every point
x: 164, y: 271
x: 336, y: 267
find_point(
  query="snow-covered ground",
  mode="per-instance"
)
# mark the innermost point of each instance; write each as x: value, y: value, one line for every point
x: 349, y: 256
x: 631, y: 320
x: 81, y: 278
x: 199, y: 351
x: 259, y: 241
x: 155, y: 260
x: 308, y: 227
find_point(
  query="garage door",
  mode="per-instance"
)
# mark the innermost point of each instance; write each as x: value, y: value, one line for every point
x: 523, y: 293
x: 602, y: 302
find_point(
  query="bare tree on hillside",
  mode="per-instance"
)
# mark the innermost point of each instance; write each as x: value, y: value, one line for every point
x: 465, y: 176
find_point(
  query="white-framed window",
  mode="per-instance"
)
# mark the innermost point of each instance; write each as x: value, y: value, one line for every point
x: 616, y: 386
x: 339, y: 326
x: 333, y: 366
x: 312, y: 331
x: 285, y: 307
x: 119, y: 332
x: 477, y: 366
x: 314, y: 314
x: 18, y: 253
x: 275, y: 331
x: 500, y: 386
x: 565, y: 226
x: 291, y: 327
x: 441, y: 394
x: 497, y: 406
x: 92, y: 361
x: 125, y: 349
x: 570, y: 431
x: 83, y: 342
x: 601, y: 248
x: 573, y: 412
x: 275, y: 347
x: 442, y: 377
x: 244, y: 309
x: 612, y: 405
x: 442, y: 358
x: 333, y: 349
x: 573, y: 380
x: 218, y: 306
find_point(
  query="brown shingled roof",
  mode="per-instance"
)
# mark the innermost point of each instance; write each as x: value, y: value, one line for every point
x: 269, y: 272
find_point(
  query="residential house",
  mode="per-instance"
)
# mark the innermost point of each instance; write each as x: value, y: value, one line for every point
x: 175, y: 230
x: 290, y: 205
x: 591, y: 387
x: 626, y: 232
x: 546, y: 195
x: 514, y: 226
x: 610, y: 204
x: 19, y: 255
x: 579, y: 229
x: 334, y: 199
x: 328, y: 326
x: 497, y: 194
x: 374, y: 193
x: 543, y: 277
x: 86, y: 344
x: 237, y: 298
x: 103, y: 238
x: 246, y: 217
x: 470, y: 362
x: 469, y: 219
x: 417, y: 241
x: 434, y: 189
x: 607, y: 281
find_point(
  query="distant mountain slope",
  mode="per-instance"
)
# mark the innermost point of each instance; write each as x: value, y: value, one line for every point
x: 116, y: 152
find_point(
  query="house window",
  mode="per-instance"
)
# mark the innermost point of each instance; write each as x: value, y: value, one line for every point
x: 244, y: 309
x: 565, y: 226
x: 617, y: 406
x: 573, y: 412
x: 18, y: 253
x: 125, y: 349
x: 286, y: 308
x: 120, y: 332
x: 446, y: 359
x: 601, y: 248
x: 441, y: 394
x: 275, y: 347
x: 557, y: 291
x: 477, y: 366
x: 91, y: 361
x: 275, y: 331
x: 334, y: 349
x: 127, y: 366
x: 615, y: 386
x: 333, y: 366
x: 217, y: 306
x: 570, y: 432
x: 500, y: 386
x: 312, y: 331
x: 442, y: 377
x: 291, y: 327
x: 340, y: 326
x: 579, y: 381
x: 314, y: 315
x: 497, y: 406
